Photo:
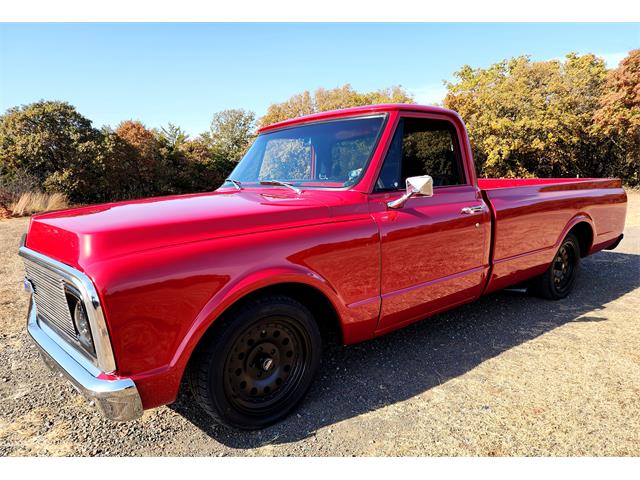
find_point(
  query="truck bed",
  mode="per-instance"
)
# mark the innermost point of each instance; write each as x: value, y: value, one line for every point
x: 531, y: 217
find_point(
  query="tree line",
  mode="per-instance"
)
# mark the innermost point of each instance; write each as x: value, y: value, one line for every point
x: 552, y: 118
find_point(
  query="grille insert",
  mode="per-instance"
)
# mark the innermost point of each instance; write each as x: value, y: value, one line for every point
x: 50, y: 298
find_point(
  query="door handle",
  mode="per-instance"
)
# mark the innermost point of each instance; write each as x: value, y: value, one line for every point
x: 471, y: 210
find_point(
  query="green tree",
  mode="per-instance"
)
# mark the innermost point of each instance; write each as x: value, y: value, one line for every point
x: 172, y: 137
x: 205, y: 168
x: 231, y: 132
x: 532, y: 118
x: 323, y: 100
x: 172, y: 141
x: 52, y: 142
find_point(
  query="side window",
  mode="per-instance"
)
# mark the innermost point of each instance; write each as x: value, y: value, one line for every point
x: 422, y: 147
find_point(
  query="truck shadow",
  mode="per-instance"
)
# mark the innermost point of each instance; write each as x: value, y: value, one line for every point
x: 361, y: 378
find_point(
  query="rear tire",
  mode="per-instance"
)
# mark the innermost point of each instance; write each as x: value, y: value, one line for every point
x: 558, y: 281
x: 258, y: 364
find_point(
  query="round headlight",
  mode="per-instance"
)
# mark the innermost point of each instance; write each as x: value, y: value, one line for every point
x: 81, y: 320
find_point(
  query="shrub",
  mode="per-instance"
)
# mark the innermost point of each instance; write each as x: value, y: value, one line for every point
x: 46, y: 138
x: 12, y: 186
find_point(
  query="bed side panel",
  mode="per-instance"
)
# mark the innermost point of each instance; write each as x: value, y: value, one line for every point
x: 532, y: 218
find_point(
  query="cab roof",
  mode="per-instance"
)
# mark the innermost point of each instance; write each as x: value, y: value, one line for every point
x: 354, y: 111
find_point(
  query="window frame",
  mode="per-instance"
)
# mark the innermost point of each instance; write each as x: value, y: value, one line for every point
x: 462, y: 164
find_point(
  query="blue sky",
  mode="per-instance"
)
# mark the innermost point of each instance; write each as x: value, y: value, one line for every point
x: 183, y: 73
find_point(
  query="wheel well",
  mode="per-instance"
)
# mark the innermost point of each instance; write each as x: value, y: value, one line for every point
x: 320, y: 306
x: 584, y: 234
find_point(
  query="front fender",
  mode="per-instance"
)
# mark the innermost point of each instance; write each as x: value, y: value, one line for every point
x: 159, y: 303
x: 243, y: 286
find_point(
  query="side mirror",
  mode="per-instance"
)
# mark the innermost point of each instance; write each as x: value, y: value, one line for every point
x: 422, y: 185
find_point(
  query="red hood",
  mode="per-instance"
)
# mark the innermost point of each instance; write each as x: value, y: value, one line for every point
x: 85, y: 235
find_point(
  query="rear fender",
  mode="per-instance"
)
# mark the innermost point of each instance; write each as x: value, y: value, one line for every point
x: 581, y: 217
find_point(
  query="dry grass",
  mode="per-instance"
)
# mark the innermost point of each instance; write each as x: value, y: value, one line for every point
x: 30, y: 203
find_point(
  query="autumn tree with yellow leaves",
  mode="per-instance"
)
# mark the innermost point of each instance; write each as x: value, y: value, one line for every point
x: 530, y: 118
x: 323, y: 100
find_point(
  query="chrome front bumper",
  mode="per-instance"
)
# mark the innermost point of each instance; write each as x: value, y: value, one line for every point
x: 118, y: 399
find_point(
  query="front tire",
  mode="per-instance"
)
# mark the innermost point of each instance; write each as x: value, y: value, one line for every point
x: 558, y: 281
x: 258, y: 364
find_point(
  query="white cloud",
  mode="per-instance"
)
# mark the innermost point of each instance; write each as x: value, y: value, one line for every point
x: 430, y: 94
x: 612, y: 59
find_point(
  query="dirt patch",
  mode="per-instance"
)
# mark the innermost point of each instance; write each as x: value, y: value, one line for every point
x: 508, y: 375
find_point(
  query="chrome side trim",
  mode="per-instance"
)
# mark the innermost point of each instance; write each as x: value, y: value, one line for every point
x: 104, y: 360
x: 118, y: 399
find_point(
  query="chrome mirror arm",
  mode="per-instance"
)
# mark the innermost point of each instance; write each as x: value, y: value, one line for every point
x: 422, y: 185
x: 399, y: 202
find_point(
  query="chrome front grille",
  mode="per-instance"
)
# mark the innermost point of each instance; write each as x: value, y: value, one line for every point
x: 49, y: 279
x: 50, y: 297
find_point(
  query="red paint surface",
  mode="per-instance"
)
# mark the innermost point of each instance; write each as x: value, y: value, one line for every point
x: 167, y: 268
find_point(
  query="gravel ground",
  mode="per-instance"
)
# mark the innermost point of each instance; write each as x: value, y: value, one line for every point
x: 508, y: 375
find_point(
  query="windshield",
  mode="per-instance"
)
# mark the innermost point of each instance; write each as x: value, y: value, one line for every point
x: 331, y: 154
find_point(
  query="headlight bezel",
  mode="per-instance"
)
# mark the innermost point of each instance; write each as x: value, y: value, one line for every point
x: 81, y: 322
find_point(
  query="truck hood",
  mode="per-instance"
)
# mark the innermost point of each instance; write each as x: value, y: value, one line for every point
x: 86, y: 235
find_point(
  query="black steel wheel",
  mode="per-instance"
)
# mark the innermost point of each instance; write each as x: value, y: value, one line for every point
x: 259, y: 364
x: 557, y: 282
x: 267, y: 362
x: 563, y: 266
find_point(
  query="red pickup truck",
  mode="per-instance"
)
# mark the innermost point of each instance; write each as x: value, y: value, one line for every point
x: 359, y: 221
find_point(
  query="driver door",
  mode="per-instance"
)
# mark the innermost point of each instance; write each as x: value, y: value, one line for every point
x: 434, y: 254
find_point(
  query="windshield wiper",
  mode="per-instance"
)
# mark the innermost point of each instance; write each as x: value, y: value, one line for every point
x: 280, y: 183
x: 236, y: 183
